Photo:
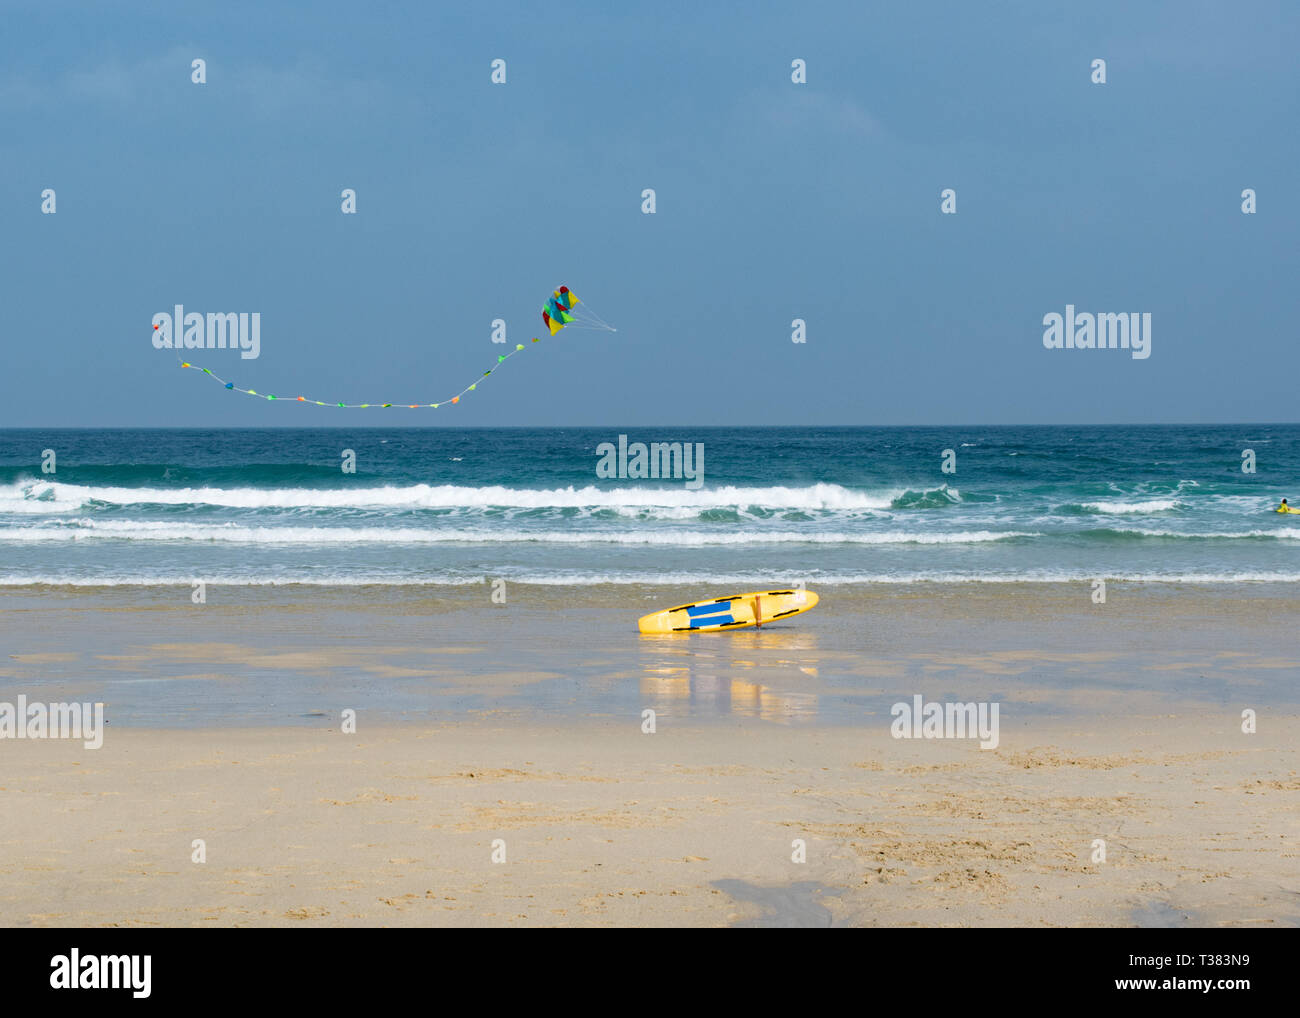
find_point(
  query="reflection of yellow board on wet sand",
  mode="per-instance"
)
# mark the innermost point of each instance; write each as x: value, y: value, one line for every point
x: 755, y: 609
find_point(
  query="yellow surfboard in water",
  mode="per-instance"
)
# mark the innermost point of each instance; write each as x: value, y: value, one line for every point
x: 1287, y: 509
x: 733, y: 612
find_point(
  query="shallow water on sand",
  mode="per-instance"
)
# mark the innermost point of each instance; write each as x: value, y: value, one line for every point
x: 284, y: 656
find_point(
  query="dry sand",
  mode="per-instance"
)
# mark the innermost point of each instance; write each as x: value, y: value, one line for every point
x: 691, y: 826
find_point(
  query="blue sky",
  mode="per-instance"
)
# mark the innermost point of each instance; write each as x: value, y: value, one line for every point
x: 775, y: 201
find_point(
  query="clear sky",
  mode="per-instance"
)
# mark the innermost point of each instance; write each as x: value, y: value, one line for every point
x: 775, y: 201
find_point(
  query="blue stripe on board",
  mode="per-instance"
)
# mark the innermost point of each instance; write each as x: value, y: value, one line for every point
x: 709, y: 609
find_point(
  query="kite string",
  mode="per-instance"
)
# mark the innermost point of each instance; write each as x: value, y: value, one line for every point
x: 501, y: 359
x: 589, y: 319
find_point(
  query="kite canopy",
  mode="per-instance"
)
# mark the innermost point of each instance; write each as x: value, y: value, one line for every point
x: 562, y: 310
x: 556, y: 313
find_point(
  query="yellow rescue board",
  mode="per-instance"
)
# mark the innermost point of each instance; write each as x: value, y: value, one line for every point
x: 1287, y: 509
x: 733, y: 612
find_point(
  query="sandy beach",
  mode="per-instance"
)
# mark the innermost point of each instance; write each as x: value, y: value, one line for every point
x: 605, y: 825
x: 1119, y: 724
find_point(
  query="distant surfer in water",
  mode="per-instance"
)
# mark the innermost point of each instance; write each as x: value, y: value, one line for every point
x: 1284, y: 508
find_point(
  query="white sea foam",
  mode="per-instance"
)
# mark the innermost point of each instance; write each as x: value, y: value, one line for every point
x: 1290, y: 534
x: 84, y: 529
x: 582, y: 579
x: 1155, y: 505
x: 53, y: 496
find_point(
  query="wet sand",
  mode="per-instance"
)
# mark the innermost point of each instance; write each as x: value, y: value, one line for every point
x: 281, y: 656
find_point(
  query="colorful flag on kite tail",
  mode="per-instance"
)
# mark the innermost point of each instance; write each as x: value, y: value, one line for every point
x: 558, y: 313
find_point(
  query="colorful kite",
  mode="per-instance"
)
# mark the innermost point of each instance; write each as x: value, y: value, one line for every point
x: 558, y: 313
x: 562, y: 309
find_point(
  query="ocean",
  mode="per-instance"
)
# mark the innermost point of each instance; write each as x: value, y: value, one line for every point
x: 378, y: 589
x: 827, y: 506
